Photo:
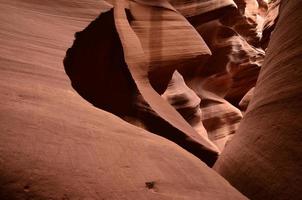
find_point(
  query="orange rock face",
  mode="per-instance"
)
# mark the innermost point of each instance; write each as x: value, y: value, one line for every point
x: 134, y: 99
x: 55, y: 145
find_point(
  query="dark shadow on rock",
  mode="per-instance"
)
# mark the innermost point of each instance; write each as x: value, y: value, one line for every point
x: 96, y: 67
x: 160, y: 127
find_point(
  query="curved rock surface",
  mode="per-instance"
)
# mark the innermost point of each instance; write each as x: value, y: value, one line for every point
x: 250, y: 21
x: 220, y: 118
x: 234, y: 65
x: 177, y: 69
x: 263, y: 160
x: 185, y: 101
x: 54, y: 145
x: 270, y: 21
x: 137, y: 63
x: 177, y: 44
x: 210, y: 115
x: 245, y: 101
x: 200, y: 11
x: 229, y: 73
x: 134, y: 69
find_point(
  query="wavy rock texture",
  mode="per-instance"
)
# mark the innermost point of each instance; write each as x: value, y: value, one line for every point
x: 200, y: 11
x: 234, y: 65
x: 176, y: 68
x: 229, y: 73
x: 83, y: 65
x: 270, y: 21
x: 250, y: 21
x: 185, y: 101
x: 54, y: 145
x: 192, y: 8
x: 166, y: 115
x: 263, y: 161
x: 170, y: 49
x: 238, y: 63
x: 219, y: 117
x: 206, y: 112
x: 245, y: 101
x: 221, y: 120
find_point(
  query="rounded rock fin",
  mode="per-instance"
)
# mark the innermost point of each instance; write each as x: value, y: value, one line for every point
x: 137, y: 65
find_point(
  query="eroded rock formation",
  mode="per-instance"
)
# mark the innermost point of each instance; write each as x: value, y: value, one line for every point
x: 55, y: 145
x: 263, y: 161
x: 270, y: 22
x: 184, y: 70
x: 224, y: 66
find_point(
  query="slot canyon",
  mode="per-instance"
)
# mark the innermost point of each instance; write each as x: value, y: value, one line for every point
x: 150, y: 99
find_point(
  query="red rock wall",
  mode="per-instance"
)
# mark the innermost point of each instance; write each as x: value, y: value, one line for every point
x: 263, y: 160
x: 55, y: 145
x: 155, y: 38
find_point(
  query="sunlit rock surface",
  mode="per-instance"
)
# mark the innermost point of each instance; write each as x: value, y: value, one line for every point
x: 203, y: 9
x: 234, y: 65
x: 168, y: 40
x: 249, y: 22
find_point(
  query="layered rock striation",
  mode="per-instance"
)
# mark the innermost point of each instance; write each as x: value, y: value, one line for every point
x: 152, y: 39
x: 263, y: 161
x: 54, y: 144
x: 169, y: 82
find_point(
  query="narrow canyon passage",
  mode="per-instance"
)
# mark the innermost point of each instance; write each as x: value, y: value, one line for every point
x: 150, y: 99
